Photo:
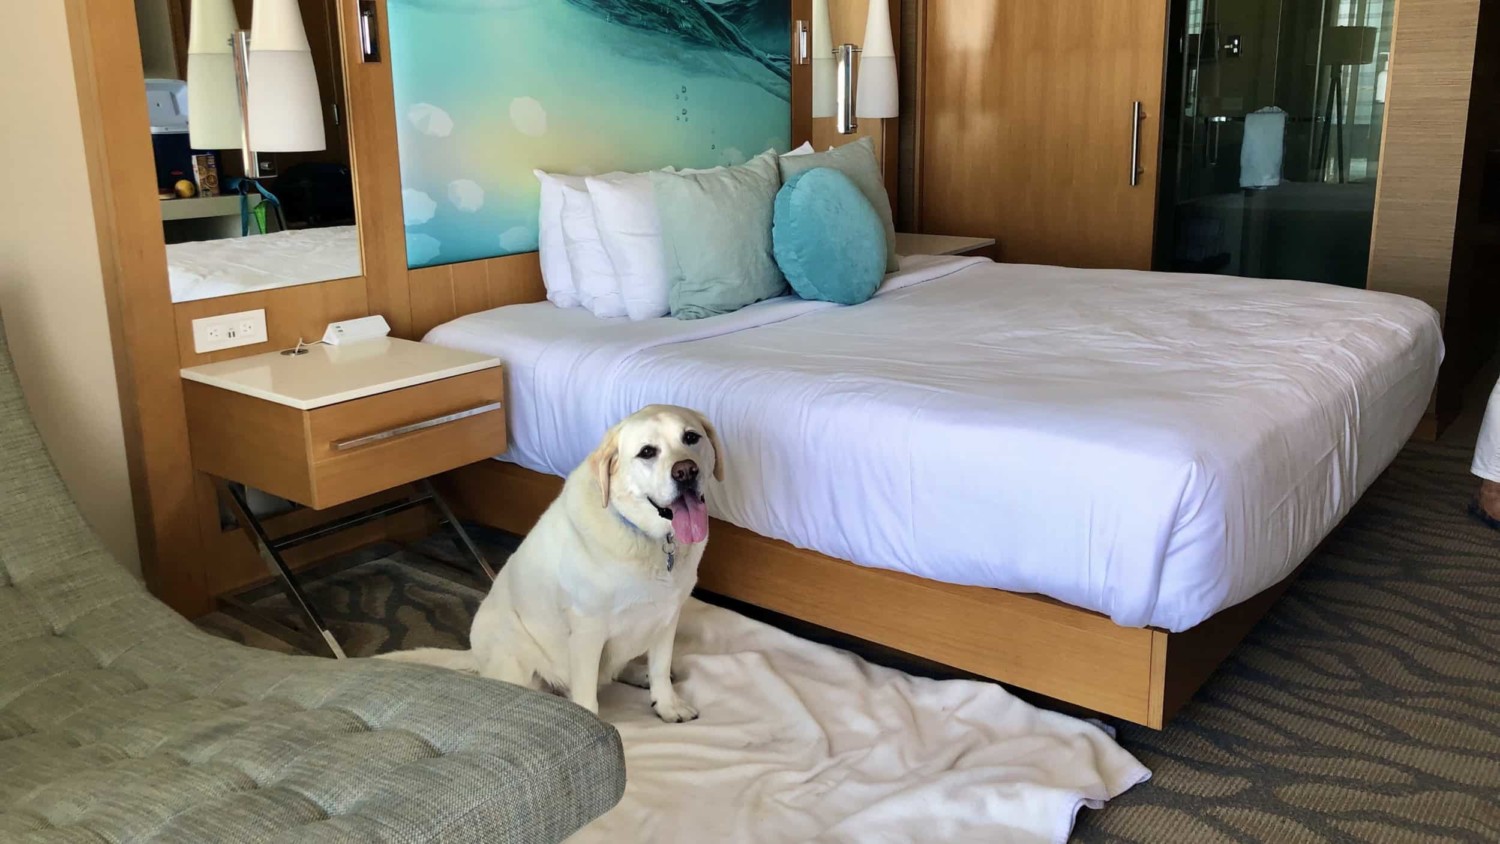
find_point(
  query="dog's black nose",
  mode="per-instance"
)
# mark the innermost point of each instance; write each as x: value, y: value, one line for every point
x: 685, y: 471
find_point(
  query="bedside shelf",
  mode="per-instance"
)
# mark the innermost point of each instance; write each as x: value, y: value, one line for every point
x: 939, y: 244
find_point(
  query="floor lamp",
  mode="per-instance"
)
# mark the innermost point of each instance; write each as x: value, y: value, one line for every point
x: 1343, y: 46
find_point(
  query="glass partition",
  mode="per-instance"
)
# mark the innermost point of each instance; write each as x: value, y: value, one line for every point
x: 1272, y: 137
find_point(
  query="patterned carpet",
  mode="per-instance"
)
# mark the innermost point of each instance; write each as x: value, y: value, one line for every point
x: 1365, y: 707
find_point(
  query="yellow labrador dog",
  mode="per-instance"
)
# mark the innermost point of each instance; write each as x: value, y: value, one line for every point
x: 602, y: 577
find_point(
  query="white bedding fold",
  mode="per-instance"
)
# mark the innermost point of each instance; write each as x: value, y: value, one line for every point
x: 1154, y: 447
x: 204, y: 269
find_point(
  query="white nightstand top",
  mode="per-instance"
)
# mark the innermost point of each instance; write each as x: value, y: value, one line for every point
x: 939, y: 244
x: 332, y: 374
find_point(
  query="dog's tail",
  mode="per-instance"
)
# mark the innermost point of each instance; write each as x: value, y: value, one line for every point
x: 456, y: 660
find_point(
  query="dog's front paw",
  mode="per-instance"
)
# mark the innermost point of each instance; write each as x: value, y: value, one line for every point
x: 674, y: 710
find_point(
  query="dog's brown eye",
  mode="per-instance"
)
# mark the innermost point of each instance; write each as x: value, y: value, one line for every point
x: 691, y: 438
x: 646, y: 452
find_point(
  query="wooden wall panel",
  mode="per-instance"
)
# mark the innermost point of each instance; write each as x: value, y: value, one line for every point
x: 440, y: 294
x: 1427, y: 105
x: 117, y: 145
x: 292, y: 314
x: 801, y: 80
x: 377, y: 170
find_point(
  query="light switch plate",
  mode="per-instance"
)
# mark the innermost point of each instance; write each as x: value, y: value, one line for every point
x: 228, y: 331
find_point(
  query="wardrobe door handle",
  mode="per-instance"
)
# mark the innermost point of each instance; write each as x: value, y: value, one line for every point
x: 1137, y: 114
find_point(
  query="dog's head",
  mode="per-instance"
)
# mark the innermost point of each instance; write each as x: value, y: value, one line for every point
x: 652, y: 468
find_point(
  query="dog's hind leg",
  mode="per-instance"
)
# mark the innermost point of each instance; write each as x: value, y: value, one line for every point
x: 506, y: 668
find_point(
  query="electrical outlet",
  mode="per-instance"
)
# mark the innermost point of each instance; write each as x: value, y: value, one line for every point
x: 228, y: 331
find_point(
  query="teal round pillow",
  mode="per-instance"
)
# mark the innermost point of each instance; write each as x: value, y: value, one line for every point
x: 827, y: 238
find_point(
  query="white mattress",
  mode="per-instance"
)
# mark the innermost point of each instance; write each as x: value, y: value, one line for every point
x: 203, y: 269
x: 1155, y: 447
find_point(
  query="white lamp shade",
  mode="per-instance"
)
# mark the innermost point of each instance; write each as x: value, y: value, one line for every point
x: 285, y: 107
x: 210, y: 25
x: 824, y: 65
x: 213, y: 93
x: 213, y: 102
x: 879, y: 93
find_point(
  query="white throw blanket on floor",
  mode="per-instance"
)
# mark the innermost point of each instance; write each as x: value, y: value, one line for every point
x: 800, y: 741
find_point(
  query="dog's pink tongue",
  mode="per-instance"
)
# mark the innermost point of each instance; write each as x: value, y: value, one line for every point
x: 689, y: 519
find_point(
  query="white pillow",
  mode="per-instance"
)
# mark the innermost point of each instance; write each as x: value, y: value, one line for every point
x: 557, y: 274
x: 630, y: 229
x: 805, y: 149
x: 593, y: 273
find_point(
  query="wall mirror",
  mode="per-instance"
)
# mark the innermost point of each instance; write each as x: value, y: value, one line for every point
x: 271, y: 206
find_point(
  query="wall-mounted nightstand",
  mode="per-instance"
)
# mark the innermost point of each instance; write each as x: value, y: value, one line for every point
x: 940, y: 244
x: 338, y: 423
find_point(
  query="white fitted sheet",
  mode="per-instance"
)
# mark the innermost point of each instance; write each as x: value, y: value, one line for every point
x: 204, y: 269
x: 1151, y: 446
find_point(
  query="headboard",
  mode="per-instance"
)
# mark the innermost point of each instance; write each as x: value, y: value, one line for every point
x: 485, y: 93
x: 491, y: 231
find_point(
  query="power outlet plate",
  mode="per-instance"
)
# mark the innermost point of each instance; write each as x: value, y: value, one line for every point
x: 228, y: 331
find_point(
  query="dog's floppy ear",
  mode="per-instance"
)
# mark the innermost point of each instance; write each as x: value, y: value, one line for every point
x: 603, y: 461
x: 713, y: 440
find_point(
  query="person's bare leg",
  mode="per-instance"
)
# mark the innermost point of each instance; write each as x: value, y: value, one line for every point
x: 1487, y: 500
x: 1486, y: 503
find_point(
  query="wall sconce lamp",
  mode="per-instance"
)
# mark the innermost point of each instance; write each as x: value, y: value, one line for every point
x: 835, y: 92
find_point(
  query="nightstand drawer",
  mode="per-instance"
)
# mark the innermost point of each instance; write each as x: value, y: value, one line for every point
x: 337, y: 453
x: 393, y: 438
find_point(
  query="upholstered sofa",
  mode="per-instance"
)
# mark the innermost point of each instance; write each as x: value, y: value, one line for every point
x: 120, y: 721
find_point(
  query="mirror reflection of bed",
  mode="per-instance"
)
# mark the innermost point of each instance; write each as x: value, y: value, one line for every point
x: 280, y: 211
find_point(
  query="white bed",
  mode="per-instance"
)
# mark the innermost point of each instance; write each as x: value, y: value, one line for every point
x: 1154, y: 447
x: 203, y: 269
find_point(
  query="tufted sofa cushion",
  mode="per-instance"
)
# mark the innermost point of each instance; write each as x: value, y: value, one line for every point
x: 122, y: 722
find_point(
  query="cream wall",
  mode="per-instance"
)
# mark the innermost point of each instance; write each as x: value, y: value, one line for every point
x: 51, y: 286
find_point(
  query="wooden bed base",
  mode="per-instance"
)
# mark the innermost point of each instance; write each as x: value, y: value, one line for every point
x: 1143, y: 675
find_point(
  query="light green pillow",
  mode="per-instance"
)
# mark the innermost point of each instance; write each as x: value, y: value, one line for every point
x: 857, y: 161
x: 716, y: 234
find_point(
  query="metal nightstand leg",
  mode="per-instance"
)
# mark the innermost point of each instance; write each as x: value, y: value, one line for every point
x: 453, y: 524
x: 278, y: 567
x: 270, y: 549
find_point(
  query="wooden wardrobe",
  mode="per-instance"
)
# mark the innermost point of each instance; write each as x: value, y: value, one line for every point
x: 1038, y: 126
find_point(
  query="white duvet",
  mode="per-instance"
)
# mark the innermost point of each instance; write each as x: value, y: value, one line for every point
x: 203, y: 269
x: 1154, y: 447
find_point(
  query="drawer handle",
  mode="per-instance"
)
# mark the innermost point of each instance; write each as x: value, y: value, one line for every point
x: 367, y: 439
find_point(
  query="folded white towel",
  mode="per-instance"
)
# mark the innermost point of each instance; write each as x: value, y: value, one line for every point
x: 1260, y: 154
